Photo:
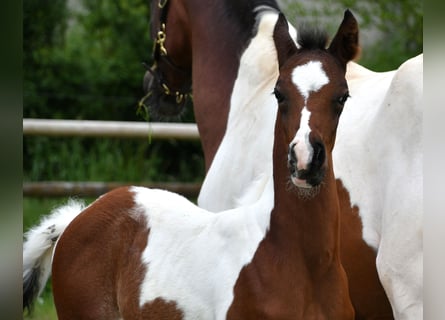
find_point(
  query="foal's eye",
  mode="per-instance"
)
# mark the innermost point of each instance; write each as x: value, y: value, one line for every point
x: 342, y: 99
x: 278, y: 95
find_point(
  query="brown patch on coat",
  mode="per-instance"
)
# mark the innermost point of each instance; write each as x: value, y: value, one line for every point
x: 367, y: 294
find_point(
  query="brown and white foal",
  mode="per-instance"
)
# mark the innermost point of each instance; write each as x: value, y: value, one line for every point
x: 138, y: 253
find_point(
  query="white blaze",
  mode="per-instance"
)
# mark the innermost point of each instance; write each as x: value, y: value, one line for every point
x: 308, y: 78
x: 303, y: 148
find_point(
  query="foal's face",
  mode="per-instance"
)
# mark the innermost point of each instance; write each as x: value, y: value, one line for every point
x: 311, y: 92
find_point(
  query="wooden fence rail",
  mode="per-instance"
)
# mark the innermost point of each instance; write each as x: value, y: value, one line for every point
x: 120, y: 129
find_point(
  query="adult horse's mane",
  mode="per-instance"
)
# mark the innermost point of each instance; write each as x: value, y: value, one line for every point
x: 244, y: 13
x: 241, y: 15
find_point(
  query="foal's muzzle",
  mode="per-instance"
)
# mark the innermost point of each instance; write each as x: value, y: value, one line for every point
x: 307, y: 173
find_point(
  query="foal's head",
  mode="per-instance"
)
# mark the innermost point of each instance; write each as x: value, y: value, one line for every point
x: 167, y: 83
x: 311, y: 91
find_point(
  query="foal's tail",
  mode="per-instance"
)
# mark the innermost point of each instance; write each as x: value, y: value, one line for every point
x: 39, y: 246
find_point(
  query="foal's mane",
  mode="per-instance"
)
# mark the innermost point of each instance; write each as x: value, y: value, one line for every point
x: 311, y: 38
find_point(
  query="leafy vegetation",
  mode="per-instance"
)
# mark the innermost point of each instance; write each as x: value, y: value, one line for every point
x: 85, y: 63
x: 391, y: 31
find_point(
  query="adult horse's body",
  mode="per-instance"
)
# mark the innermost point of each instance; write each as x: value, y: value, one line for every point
x: 234, y: 117
x: 138, y: 253
x: 378, y: 158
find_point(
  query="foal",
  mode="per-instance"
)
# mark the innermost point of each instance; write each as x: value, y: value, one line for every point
x: 138, y: 253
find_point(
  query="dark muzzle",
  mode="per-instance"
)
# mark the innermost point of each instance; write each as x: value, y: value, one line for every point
x: 160, y: 100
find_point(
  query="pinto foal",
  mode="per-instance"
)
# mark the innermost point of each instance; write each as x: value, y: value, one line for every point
x: 138, y: 253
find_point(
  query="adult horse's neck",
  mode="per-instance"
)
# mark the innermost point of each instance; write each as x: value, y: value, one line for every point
x: 250, y: 124
x: 221, y: 30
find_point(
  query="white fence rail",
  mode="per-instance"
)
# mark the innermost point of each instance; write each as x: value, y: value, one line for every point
x: 120, y: 129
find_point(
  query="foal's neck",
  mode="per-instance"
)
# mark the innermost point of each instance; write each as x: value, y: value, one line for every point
x: 305, y: 227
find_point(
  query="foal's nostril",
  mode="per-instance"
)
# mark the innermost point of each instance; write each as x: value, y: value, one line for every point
x: 319, y: 155
x: 292, y: 158
x: 291, y: 153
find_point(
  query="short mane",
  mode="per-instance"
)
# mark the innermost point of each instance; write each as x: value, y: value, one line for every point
x: 310, y: 37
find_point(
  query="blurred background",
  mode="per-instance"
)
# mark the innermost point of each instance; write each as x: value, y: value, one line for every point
x: 83, y: 60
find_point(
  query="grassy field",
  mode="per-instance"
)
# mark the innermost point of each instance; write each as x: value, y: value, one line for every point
x: 44, y: 308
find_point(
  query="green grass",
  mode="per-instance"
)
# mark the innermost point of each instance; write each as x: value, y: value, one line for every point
x: 44, y: 308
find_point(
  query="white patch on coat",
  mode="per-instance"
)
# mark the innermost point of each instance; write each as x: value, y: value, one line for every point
x: 193, y: 256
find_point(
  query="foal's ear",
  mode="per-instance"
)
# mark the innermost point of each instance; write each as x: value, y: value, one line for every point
x: 283, y: 42
x: 345, y: 45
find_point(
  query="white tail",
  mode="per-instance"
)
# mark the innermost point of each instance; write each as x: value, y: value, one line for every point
x: 39, y: 246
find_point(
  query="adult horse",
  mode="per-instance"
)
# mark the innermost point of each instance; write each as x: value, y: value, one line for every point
x: 233, y: 115
x: 138, y: 253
